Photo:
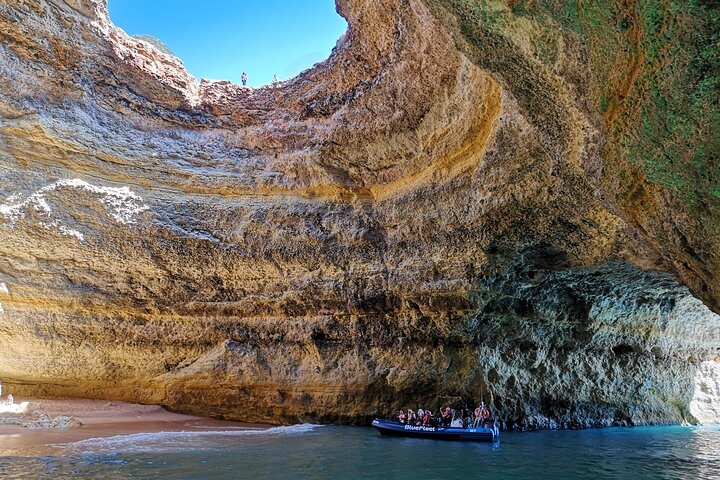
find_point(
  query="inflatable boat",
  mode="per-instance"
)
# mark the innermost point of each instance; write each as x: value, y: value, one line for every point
x: 397, y: 429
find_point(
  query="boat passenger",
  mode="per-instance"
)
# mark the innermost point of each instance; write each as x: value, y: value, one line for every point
x: 484, y: 412
x: 446, y: 418
x: 457, y: 420
x: 401, y: 417
x: 467, y: 421
x: 411, y: 417
x: 426, y: 418
x: 420, y: 415
x: 478, y: 417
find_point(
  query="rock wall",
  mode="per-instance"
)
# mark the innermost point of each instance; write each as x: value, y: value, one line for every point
x: 447, y: 209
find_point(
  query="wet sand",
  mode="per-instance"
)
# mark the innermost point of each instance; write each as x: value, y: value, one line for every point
x: 100, y: 418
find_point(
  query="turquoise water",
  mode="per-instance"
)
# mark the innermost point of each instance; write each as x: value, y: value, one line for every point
x: 329, y: 452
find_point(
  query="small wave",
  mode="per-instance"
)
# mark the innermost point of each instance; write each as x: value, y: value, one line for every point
x: 176, y: 439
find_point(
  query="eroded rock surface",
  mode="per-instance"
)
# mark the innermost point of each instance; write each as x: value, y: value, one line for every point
x: 460, y: 203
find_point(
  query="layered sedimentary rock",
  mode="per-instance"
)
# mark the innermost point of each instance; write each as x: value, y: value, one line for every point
x: 467, y: 200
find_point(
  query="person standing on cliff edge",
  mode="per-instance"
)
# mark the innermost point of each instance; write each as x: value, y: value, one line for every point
x: 243, y: 78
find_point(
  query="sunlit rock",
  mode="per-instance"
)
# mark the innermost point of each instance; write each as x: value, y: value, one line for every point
x: 705, y: 404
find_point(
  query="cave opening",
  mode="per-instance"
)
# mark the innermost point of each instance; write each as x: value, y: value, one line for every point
x: 274, y: 39
x: 374, y: 232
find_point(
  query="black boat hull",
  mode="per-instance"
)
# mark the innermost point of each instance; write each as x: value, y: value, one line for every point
x: 396, y: 429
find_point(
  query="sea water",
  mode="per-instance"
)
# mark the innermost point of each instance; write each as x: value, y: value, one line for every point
x: 334, y: 452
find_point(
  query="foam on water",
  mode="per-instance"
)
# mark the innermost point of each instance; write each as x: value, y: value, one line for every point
x: 176, y: 440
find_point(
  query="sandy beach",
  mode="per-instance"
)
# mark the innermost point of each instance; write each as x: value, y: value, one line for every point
x: 100, y: 418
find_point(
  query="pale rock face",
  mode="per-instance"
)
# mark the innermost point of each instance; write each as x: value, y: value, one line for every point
x: 705, y: 404
x: 3, y: 291
x: 121, y: 204
x: 433, y: 214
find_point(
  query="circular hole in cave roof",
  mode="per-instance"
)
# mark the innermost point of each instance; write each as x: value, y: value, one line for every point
x: 221, y: 39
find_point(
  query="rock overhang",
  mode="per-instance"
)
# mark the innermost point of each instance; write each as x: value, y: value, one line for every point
x: 383, y: 198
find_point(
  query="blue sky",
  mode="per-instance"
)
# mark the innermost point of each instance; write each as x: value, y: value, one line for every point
x: 219, y: 39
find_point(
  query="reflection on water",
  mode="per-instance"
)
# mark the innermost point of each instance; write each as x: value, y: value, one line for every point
x: 705, y: 448
x: 351, y: 452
